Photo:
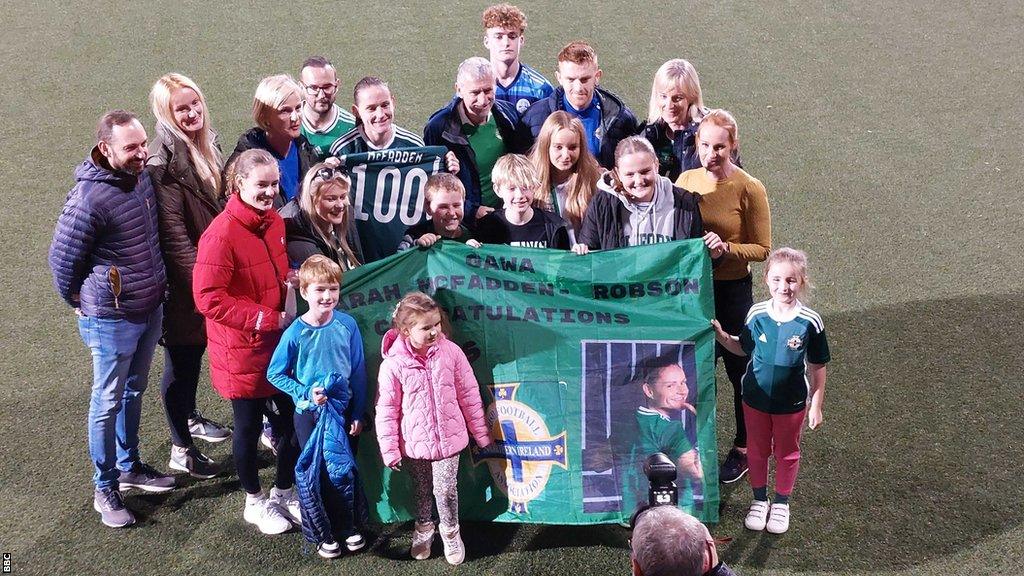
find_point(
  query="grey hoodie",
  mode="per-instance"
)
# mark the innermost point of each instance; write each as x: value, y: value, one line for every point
x: 648, y: 224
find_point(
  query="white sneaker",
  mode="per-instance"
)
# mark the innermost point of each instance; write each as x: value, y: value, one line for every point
x: 288, y: 503
x: 757, y: 516
x: 265, y: 514
x: 422, y: 538
x: 778, y: 520
x: 355, y: 542
x: 454, y: 550
x: 329, y: 549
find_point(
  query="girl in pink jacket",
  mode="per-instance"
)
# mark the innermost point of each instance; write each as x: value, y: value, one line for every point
x: 427, y: 399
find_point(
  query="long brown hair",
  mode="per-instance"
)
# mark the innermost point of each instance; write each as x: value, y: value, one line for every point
x: 585, y: 173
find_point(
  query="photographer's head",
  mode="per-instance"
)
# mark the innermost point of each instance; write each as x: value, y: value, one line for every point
x: 669, y: 542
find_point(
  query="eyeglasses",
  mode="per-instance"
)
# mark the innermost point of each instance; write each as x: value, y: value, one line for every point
x: 327, y: 89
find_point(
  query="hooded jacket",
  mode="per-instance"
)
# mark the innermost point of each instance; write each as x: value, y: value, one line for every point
x: 257, y: 138
x: 185, y: 207
x: 425, y: 404
x: 238, y: 285
x: 675, y: 214
x: 617, y: 122
x: 445, y: 129
x: 106, y: 248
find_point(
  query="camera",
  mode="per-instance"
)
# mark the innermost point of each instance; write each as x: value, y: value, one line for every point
x: 661, y: 473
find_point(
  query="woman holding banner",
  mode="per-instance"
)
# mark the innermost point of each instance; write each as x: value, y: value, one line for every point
x: 634, y: 206
x: 734, y: 205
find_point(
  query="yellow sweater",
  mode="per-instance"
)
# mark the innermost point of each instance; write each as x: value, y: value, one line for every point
x: 737, y: 210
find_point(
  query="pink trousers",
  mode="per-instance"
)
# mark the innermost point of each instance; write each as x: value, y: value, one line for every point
x: 778, y: 435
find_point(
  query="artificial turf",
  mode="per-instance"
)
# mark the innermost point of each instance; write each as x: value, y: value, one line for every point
x: 886, y: 134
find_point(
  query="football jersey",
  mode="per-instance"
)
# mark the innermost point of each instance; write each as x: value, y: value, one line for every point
x: 527, y: 87
x: 321, y: 140
x: 776, y: 378
x: 387, y: 193
x: 354, y: 142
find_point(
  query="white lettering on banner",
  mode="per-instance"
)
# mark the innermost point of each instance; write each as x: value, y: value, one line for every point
x: 393, y: 194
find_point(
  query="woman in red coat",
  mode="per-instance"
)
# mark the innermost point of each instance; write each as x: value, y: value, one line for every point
x: 239, y: 286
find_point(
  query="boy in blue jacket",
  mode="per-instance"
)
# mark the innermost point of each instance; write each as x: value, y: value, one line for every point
x: 319, y: 363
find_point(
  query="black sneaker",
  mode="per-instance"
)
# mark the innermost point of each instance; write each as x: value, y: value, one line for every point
x: 147, y: 478
x: 110, y: 505
x: 206, y: 429
x: 734, y: 467
x: 191, y: 460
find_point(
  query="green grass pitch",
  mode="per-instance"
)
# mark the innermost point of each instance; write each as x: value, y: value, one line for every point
x: 887, y: 134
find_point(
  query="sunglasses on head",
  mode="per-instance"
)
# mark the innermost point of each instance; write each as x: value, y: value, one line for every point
x: 328, y: 173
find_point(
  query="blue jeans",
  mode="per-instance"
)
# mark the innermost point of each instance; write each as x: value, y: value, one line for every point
x: 122, y: 352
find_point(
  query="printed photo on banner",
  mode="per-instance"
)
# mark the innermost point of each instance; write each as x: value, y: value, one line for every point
x: 638, y: 398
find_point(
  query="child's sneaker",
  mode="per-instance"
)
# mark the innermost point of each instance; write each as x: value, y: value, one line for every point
x: 734, y: 467
x: 111, y: 507
x: 422, y: 538
x: 355, y: 542
x: 778, y: 520
x: 757, y: 516
x: 288, y: 503
x: 454, y: 550
x: 206, y: 429
x: 191, y: 460
x: 265, y: 514
x: 329, y: 550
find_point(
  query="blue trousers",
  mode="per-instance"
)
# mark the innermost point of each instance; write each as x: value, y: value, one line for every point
x: 122, y: 351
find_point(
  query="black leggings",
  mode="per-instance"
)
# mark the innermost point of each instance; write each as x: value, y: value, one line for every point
x: 178, y: 388
x: 733, y: 299
x: 248, y: 416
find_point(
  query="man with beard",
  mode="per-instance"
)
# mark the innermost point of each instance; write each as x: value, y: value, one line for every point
x: 107, y: 266
x: 478, y: 129
x: 322, y: 120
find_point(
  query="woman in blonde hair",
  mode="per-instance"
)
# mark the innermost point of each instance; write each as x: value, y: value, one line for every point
x: 675, y: 110
x: 567, y: 170
x: 277, y: 111
x: 185, y: 166
x: 320, y: 220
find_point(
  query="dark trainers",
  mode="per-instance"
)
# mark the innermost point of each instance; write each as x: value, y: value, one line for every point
x: 734, y: 467
x: 147, y: 478
x: 191, y: 460
x: 111, y: 508
x: 206, y: 429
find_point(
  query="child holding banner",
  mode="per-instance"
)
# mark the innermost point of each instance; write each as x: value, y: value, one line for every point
x: 427, y: 398
x: 526, y: 219
x: 444, y: 197
x: 788, y: 349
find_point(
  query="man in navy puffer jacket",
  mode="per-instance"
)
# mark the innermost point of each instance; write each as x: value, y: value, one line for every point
x: 107, y: 265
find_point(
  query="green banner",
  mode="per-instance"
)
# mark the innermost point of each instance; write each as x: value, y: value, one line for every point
x: 586, y: 365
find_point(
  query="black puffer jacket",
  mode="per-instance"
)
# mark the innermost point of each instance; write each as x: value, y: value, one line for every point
x: 186, y: 206
x: 257, y: 138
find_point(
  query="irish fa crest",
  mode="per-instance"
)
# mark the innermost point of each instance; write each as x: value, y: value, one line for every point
x: 524, y: 451
x: 794, y: 342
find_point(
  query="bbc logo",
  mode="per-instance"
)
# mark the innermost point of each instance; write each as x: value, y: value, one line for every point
x: 7, y: 563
